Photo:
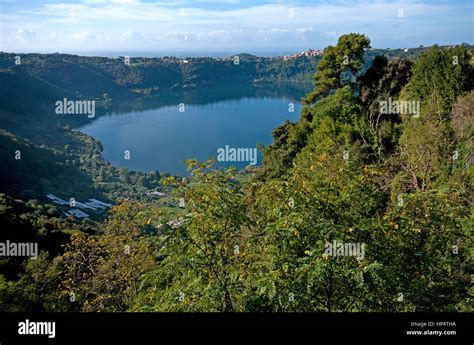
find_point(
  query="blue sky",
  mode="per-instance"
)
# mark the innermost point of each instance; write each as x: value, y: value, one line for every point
x: 227, y: 25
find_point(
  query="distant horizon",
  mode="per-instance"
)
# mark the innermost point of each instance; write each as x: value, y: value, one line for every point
x: 228, y: 25
x: 199, y: 53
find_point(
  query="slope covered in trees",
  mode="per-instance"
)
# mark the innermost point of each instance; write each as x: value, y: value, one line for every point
x: 395, y: 184
x: 92, y: 77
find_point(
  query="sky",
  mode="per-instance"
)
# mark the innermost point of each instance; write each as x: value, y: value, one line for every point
x: 228, y: 25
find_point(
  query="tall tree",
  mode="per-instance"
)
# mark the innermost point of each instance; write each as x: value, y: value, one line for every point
x: 339, y: 65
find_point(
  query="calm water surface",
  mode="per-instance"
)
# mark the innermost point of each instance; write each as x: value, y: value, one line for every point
x: 163, y: 137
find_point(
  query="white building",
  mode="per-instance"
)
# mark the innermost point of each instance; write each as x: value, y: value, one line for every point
x: 98, y: 202
x: 94, y: 205
x: 84, y: 206
x: 57, y: 200
x: 156, y: 193
x: 76, y: 213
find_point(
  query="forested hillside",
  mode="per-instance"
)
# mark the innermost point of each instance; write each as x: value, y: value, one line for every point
x: 394, y: 181
x: 92, y: 77
x: 113, y: 79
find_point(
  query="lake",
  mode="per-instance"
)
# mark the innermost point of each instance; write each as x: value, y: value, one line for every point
x: 162, y: 137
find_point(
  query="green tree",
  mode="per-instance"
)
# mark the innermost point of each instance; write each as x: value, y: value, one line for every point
x: 382, y: 81
x: 103, y: 271
x: 339, y: 65
x: 439, y: 76
x: 202, y: 263
x: 124, y: 176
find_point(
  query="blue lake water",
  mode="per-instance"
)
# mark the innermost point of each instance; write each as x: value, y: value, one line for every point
x: 162, y: 138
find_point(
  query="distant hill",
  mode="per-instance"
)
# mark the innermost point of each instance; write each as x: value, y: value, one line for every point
x: 29, y: 90
x: 92, y: 77
x: 113, y: 78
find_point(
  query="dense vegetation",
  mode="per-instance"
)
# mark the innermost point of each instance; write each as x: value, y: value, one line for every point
x: 400, y: 184
x: 111, y: 79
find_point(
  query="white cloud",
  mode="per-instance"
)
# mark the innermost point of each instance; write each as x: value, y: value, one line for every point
x: 131, y: 36
x: 25, y: 35
x: 179, y: 36
x: 110, y: 22
x: 84, y: 36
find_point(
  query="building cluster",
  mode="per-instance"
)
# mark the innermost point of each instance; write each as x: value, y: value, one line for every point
x: 78, y: 208
x: 310, y: 52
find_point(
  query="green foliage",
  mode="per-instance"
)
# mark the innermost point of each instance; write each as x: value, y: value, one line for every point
x: 382, y: 81
x: 439, y: 77
x: 335, y: 99
x: 102, y: 272
x: 397, y: 186
x: 203, y: 258
x: 338, y: 65
x: 108, y: 80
